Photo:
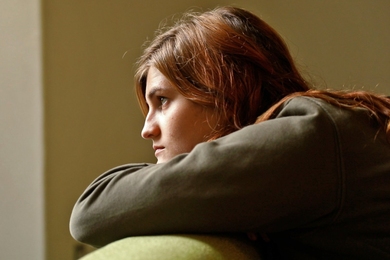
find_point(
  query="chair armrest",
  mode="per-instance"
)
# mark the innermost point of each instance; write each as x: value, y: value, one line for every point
x: 178, y: 247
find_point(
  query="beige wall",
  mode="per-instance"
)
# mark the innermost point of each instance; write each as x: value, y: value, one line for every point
x: 344, y: 44
x: 92, y: 121
x: 21, y: 131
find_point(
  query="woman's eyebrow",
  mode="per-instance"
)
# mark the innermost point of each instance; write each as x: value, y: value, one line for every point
x: 153, y: 91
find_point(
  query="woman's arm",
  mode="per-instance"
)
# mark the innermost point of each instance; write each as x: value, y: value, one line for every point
x: 269, y: 177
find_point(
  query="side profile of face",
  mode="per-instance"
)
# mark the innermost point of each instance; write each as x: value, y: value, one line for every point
x: 174, y: 123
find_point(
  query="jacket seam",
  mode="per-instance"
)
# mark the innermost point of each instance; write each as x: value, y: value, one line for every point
x: 339, y: 160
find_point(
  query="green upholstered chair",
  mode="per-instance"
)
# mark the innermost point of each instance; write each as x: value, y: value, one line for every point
x: 176, y: 247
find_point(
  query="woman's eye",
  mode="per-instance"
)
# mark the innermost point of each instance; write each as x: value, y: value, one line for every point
x: 163, y: 100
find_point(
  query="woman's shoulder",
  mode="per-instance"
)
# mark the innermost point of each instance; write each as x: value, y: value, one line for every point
x: 321, y: 107
x: 320, y: 117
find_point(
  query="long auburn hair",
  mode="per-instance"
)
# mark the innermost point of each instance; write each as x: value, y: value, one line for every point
x: 231, y: 60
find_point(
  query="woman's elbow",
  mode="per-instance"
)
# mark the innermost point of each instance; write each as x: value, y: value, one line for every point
x: 83, y: 229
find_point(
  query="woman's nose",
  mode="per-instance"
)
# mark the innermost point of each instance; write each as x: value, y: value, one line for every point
x: 150, y: 129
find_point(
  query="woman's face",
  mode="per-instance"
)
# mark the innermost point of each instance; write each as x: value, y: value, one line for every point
x: 174, y: 123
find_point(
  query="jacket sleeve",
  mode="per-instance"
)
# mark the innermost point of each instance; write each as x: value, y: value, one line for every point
x: 273, y: 176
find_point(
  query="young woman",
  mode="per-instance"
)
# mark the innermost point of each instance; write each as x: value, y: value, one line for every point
x: 245, y: 145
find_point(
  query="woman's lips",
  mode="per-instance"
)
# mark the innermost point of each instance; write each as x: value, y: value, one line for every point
x: 158, y: 149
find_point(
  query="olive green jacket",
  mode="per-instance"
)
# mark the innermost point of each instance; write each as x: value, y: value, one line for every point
x: 315, y: 179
